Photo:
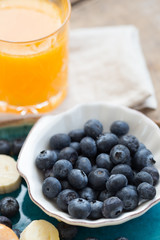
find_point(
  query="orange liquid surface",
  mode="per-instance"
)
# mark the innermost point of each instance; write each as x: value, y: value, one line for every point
x: 33, y: 75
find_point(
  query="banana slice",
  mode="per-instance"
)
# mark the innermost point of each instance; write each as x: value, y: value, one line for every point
x: 40, y: 230
x: 10, y: 179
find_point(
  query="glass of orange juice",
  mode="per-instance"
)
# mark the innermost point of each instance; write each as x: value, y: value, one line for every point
x: 33, y: 55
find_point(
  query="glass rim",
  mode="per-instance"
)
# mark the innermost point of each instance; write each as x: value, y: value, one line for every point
x: 47, y: 36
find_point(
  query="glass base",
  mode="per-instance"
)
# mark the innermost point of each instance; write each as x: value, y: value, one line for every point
x: 40, y: 108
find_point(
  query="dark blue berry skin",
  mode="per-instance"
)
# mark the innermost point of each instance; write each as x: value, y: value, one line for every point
x: 129, y: 198
x: 48, y: 173
x: 124, y: 169
x: 120, y: 154
x: 17, y: 145
x: 77, y: 135
x: 69, y: 154
x: 79, y: 208
x: 104, y: 195
x: 61, y: 168
x: 119, y: 128
x: 103, y: 161
x: 5, y: 147
x: 83, y: 163
x: 77, y: 178
x: 65, y: 197
x: 5, y: 221
x: 88, y: 147
x: 146, y: 191
x: 88, y: 194
x: 76, y: 146
x: 106, y: 141
x: 142, y: 158
x: 65, y: 184
x: 93, y: 128
x: 96, y: 210
x: 9, y: 207
x: 51, y: 187
x: 17, y: 232
x: 143, y: 177
x: 153, y: 172
x: 97, y: 178
x: 116, y: 182
x: 59, y: 141
x: 112, y: 207
x: 66, y: 231
x: 131, y: 142
x: 46, y: 159
x: 141, y: 146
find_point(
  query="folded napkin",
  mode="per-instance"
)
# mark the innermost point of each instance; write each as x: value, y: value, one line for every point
x: 107, y: 64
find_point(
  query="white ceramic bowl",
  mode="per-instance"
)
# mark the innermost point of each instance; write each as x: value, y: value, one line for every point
x: 140, y: 126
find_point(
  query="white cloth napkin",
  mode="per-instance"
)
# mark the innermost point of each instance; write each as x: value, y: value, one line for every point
x: 107, y: 64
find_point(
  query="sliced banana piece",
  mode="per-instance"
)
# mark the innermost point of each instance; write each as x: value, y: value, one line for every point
x: 10, y: 179
x: 40, y: 230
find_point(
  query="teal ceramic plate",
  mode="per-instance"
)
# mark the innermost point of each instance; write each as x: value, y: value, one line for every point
x: 146, y: 227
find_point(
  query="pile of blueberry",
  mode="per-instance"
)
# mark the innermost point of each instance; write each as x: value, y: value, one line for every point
x: 9, y: 207
x: 94, y: 174
x: 11, y: 148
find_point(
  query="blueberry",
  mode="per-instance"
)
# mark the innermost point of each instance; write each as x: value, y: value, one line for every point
x: 77, y: 135
x: 9, y: 206
x: 119, y: 128
x: 76, y: 146
x: 142, y: 158
x: 131, y: 142
x: 65, y: 197
x: 122, y: 238
x: 61, y: 168
x: 48, y: 173
x: 103, y: 161
x: 46, y: 159
x: 65, y: 184
x: 146, y: 191
x: 141, y: 146
x: 116, y: 182
x: 120, y: 154
x: 125, y: 170
x: 69, y: 154
x: 104, y: 195
x: 17, y: 232
x: 88, y: 194
x: 79, y: 208
x: 17, y: 145
x: 59, y: 141
x: 143, y: 177
x: 96, y: 210
x: 93, y: 128
x: 77, y: 178
x: 106, y: 141
x: 5, y: 221
x: 83, y: 163
x: 97, y: 178
x: 5, y: 147
x: 51, y: 187
x: 112, y: 207
x: 153, y: 172
x: 88, y: 147
x: 129, y: 198
x: 66, y: 231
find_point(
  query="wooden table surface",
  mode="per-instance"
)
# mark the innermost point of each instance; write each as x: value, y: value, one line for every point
x: 144, y: 14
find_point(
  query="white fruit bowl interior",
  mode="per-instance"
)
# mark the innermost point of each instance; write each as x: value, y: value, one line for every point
x: 142, y: 127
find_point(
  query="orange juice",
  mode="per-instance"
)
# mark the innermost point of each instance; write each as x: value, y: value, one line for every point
x: 33, y: 55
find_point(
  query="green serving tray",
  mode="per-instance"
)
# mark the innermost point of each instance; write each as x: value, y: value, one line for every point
x: 146, y: 227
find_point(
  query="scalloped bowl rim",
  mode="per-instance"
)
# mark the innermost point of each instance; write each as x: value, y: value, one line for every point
x: 63, y: 216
